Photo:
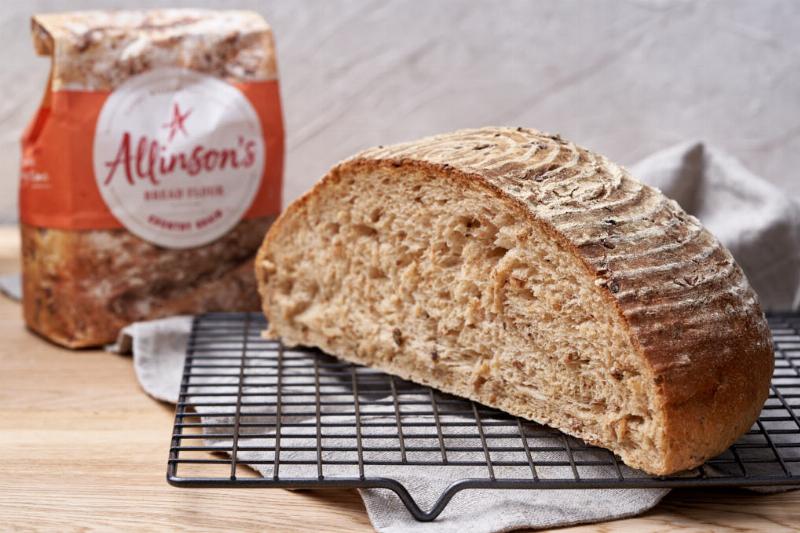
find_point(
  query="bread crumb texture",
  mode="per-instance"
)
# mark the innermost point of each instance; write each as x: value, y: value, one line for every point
x: 516, y: 269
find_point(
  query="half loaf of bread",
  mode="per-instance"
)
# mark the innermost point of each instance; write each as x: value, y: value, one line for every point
x: 526, y: 273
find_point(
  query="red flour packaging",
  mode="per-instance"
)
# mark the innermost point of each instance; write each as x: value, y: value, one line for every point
x: 151, y: 170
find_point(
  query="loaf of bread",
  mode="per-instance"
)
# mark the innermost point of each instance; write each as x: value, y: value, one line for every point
x: 87, y: 270
x: 521, y: 271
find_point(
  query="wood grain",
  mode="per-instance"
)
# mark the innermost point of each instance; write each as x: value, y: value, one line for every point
x: 85, y: 449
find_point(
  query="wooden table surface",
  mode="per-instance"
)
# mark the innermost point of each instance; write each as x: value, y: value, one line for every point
x: 84, y: 448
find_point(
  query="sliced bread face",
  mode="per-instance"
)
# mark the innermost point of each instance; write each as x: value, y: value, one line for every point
x: 518, y: 270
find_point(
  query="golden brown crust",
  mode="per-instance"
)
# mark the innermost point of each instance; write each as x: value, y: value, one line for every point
x: 81, y: 287
x: 690, y: 311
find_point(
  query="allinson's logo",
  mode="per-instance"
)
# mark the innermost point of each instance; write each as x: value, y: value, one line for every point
x: 146, y: 158
x: 178, y: 156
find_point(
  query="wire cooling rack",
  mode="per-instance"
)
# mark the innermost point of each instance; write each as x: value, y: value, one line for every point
x: 306, y: 420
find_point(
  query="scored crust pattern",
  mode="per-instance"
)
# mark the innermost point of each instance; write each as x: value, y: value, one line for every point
x: 686, y: 302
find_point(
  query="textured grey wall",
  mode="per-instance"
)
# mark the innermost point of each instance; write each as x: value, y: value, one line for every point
x: 623, y: 77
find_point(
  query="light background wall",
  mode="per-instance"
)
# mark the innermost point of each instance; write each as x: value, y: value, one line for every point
x: 623, y: 77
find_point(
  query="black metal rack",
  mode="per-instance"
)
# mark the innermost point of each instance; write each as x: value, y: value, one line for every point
x: 306, y: 420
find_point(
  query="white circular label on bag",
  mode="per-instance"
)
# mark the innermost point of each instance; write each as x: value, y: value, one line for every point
x: 178, y: 156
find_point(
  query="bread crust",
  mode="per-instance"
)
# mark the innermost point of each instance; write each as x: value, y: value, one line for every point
x: 687, y: 306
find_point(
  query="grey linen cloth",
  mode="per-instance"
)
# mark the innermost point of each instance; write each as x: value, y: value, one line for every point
x: 758, y: 223
x: 11, y: 286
